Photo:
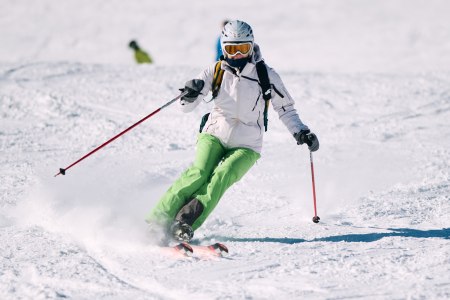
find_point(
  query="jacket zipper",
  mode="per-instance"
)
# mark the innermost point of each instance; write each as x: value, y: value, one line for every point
x: 259, y: 96
x: 257, y: 122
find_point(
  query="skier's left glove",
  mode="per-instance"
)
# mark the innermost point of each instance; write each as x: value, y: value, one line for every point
x: 308, y: 138
x: 193, y: 87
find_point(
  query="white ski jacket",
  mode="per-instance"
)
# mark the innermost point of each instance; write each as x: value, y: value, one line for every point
x: 237, y: 118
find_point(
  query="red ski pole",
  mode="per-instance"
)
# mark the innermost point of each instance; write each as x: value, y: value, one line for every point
x: 316, y: 218
x: 63, y: 171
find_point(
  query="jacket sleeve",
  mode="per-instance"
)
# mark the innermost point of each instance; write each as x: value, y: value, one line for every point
x: 283, y: 104
x: 207, y: 76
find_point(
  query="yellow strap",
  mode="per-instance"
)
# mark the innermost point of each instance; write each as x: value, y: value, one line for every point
x: 217, y: 79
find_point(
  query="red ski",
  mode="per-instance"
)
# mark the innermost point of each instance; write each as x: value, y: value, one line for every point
x: 179, y: 250
x: 185, y: 250
x: 217, y: 249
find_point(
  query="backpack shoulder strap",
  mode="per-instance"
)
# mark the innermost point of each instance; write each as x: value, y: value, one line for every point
x: 217, y: 79
x: 263, y: 76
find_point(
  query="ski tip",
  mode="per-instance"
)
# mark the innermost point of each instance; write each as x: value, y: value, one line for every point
x: 187, y: 246
x: 184, y: 248
x: 221, y: 247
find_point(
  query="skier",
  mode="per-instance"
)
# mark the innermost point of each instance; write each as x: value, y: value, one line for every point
x: 232, y: 136
x: 140, y: 55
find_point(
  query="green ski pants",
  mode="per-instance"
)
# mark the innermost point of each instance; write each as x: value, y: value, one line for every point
x: 214, y: 170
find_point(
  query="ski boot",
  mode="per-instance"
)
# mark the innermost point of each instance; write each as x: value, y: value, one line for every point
x: 181, y: 232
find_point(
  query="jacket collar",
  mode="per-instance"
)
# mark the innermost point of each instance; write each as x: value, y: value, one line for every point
x: 249, y: 67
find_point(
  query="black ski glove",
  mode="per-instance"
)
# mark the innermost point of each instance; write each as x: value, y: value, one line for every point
x: 193, y: 87
x: 308, y: 138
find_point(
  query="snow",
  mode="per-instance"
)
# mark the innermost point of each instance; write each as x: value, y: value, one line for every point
x: 370, y: 78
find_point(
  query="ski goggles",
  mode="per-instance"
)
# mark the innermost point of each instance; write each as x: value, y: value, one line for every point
x: 242, y: 48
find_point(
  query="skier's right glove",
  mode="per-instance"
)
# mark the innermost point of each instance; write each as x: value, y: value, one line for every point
x: 193, y: 87
x: 308, y: 138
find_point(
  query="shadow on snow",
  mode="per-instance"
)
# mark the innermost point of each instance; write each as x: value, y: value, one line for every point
x: 364, y: 237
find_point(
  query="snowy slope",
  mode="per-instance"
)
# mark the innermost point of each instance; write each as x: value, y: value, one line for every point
x: 382, y: 172
x: 308, y: 35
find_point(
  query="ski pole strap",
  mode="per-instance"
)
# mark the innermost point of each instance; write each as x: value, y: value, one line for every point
x: 263, y: 77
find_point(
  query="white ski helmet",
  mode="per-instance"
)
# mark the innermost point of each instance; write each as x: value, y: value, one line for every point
x: 236, y: 31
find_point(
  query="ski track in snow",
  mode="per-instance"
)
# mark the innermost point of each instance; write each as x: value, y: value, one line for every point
x: 382, y: 172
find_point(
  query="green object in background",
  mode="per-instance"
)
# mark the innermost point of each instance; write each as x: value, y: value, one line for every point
x: 140, y: 55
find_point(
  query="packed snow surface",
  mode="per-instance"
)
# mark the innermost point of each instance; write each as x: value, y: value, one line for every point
x: 370, y: 78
